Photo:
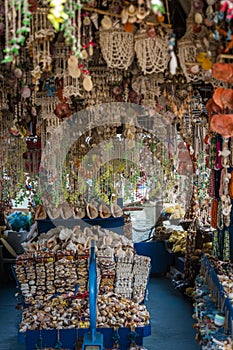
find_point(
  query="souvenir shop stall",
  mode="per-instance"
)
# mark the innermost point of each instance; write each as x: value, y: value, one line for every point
x: 107, y: 108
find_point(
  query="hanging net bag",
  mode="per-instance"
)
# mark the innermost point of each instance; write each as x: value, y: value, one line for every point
x: 188, y: 47
x: 117, y: 47
x: 152, y: 53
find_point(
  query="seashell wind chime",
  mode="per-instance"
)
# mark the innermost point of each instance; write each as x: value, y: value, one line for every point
x: 152, y: 53
x: 12, y: 164
x: 17, y: 27
x: 49, y: 121
x: 188, y: 47
x: 39, y: 44
x: 117, y: 47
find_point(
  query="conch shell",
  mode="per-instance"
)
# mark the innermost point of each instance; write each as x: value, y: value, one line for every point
x: 116, y: 210
x: 79, y: 212
x: 65, y: 234
x: 104, y: 211
x: 53, y: 212
x: 92, y: 211
x: 66, y: 211
x: 40, y: 213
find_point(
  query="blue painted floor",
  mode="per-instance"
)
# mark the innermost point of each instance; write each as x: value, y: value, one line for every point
x: 171, y: 317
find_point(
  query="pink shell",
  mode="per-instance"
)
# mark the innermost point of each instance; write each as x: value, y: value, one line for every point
x: 194, y: 69
x: 25, y: 92
x: 198, y: 5
x: 18, y: 73
x: 33, y: 111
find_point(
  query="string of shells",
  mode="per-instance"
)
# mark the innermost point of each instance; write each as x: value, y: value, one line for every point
x: 101, y: 90
x: 152, y: 54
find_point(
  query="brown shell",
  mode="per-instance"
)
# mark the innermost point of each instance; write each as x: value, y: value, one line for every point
x: 223, y: 71
x: 217, y: 96
x: 227, y: 98
x: 79, y: 212
x: 53, y: 212
x: 105, y: 211
x: 222, y: 124
x: 212, y: 107
x: 116, y: 210
x: 40, y: 213
x: 66, y: 211
x: 92, y: 211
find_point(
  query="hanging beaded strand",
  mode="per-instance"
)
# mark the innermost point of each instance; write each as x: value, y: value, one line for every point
x: 8, y: 57
x: 215, y: 245
x: 231, y: 150
x: 226, y: 246
x: 212, y: 152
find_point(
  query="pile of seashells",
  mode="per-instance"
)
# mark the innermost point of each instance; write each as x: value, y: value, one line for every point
x: 53, y: 278
x: 116, y: 311
x: 56, y: 313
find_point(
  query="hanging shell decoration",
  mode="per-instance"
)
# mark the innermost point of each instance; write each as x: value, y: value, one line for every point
x: 117, y: 47
x: 152, y: 53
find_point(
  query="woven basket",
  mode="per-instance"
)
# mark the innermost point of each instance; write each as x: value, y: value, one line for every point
x: 117, y: 47
x: 152, y: 53
x: 187, y: 53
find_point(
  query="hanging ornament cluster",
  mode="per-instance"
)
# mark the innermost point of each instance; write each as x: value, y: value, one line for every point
x: 17, y: 28
x: 117, y: 47
x: 39, y: 44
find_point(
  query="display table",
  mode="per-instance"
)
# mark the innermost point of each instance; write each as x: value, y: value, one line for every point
x: 217, y: 290
x: 161, y: 259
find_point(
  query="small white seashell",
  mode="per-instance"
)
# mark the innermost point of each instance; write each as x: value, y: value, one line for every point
x: 65, y: 234
x: 18, y: 73
x: 87, y: 83
x: 106, y: 22
x: 84, y: 54
x: 195, y: 69
x: 198, y: 18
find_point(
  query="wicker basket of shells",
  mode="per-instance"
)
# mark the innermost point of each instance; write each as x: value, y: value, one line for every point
x: 152, y: 53
x: 117, y: 47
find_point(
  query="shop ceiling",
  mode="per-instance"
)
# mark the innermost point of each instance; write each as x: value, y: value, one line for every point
x: 179, y: 11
